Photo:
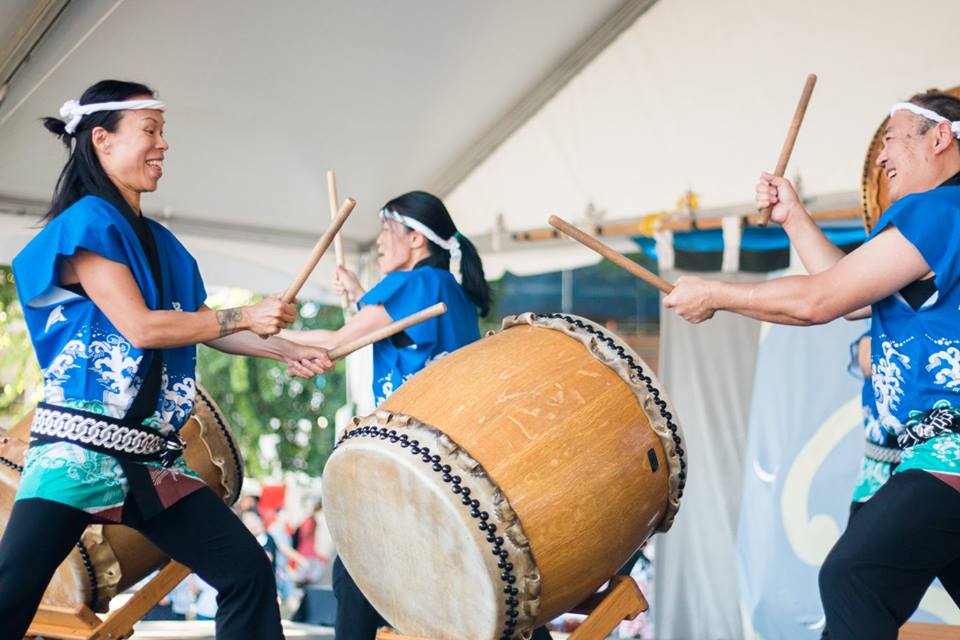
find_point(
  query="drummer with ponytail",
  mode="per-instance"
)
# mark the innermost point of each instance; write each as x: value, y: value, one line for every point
x: 421, y: 211
x: 417, y: 246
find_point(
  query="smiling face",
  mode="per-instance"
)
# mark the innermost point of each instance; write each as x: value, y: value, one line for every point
x: 908, y: 156
x: 132, y: 156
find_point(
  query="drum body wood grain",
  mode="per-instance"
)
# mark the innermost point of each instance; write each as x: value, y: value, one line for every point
x: 555, y: 436
x: 111, y: 558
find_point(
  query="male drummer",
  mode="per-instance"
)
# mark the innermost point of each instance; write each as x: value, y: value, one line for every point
x: 909, y: 271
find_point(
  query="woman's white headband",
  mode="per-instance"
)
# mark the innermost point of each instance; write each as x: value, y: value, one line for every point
x: 72, y: 111
x: 926, y: 113
x: 452, y: 244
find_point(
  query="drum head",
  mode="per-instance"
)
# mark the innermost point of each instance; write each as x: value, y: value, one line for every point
x: 874, y: 193
x: 423, y: 527
x: 212, y: 449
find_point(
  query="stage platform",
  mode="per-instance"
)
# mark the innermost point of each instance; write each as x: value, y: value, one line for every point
x: 203, y: 630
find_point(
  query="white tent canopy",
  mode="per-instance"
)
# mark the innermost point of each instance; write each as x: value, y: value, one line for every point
x: 698, y: 94
x: 263, y: 99
x: 606, y: 105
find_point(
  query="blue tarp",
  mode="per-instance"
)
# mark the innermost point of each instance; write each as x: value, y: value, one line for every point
x: 600, y: 292
x: 753, y: 239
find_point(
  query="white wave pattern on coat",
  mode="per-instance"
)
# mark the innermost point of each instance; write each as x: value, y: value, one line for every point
x: 116, y: 370
x: 177, y: 404
x: 58, y: 372
x: 947, y: 364
x: 888, y: 385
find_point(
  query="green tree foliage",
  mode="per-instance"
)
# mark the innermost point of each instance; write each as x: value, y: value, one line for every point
x: 20, y: 383
x: 260, y: 400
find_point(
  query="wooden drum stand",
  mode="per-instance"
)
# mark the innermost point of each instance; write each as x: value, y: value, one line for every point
x: 621, y: 600
x: 82, y: 623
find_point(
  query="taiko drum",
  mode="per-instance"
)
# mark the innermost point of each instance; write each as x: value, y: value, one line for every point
x: 504, y: 483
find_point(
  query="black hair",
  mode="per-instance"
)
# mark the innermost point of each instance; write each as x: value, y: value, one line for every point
x: 83, y: 175
x: 940, y: 103
x: 428, y: 209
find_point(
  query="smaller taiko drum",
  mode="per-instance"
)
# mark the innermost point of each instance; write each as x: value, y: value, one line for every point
x: 110, y: 558
x: 505, y: 482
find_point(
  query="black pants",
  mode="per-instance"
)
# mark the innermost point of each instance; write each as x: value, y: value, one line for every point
x: 356, y: 617
x: 854, y: 508
x: 199, y: 531
x: 900, y: 540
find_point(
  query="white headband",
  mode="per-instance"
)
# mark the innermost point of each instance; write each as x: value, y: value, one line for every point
x: 926, y: 113
x: 72, y: 111
x: 452, y: 245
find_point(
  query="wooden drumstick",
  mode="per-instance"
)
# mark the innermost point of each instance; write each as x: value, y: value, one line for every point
x: 318, y: 250
x: 338, y: 239
x: 611, y: 254
x: 387, y: 331
x: 791, y: 139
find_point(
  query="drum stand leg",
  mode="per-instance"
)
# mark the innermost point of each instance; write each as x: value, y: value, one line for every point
x: 81, y: 623
x: 621, y: 600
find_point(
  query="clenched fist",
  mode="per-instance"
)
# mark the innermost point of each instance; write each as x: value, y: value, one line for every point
x: 691, y: 299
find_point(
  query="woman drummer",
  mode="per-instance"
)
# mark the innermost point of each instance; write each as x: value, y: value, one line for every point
x: 115, y: 308
x: 416, y: 245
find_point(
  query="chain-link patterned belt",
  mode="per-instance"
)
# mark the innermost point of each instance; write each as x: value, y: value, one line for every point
x: 890, y: 455
x: 104, y: 434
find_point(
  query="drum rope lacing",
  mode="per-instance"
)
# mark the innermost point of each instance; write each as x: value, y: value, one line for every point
x: 84, y: 554
x: 647, y: 380
x: 10, y: 463
x: 88, y: 565
x: 457, y: 487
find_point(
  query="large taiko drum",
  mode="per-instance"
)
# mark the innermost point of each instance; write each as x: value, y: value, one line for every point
x: 504, y: 483
x: 874, y: 185
x: 110, y: 558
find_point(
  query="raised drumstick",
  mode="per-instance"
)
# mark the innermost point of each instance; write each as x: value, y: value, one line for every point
x: 338, y: 240
x: 791, y: 139
x: 611, y: 254
x: 318, y: 250
x: 387, y: 331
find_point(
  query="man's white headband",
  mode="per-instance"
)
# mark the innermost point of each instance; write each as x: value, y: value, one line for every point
x: 926, y: 113
x: 72, y: 111
x: 452, y: 244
